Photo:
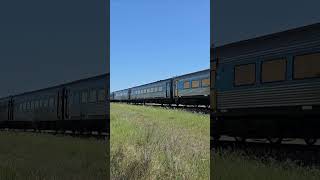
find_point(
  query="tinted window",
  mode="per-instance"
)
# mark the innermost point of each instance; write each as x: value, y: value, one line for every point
x: 273, y: 70
x: 186, y: 85
x: 245, y: 74
x: 307, y: 66
x: 205, y: 82
x: 195, y: 84
x: 84, y: 97
x: 93, y: 96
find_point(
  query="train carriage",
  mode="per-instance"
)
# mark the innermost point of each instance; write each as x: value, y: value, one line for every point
x: 192, y: 89
x: 268, y: 87
x: 34, y: 108
x: 156, y: 92
x: 85, y: 103
x: 121, y: 95
x: 81, y: 105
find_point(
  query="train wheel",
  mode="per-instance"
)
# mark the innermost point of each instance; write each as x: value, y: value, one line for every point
x: 310, y: 141
x: 275, y: 140
x: 240, y: 139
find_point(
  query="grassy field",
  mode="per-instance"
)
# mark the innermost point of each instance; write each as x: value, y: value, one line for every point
x: 43, y: 156
x: 235, y: 166
x: 158, y: 143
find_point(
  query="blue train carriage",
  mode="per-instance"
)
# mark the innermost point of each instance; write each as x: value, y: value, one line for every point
x: 121, y: 95
x: 5, y: 112
x: 35, y: 110
x: 84, y: 104
x: 157, y: 92
x: 268, y: 87
x: 192, y: 89
x: 80, y: 105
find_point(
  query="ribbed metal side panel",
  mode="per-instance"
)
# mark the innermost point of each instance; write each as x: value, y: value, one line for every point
x: 194, y: 92
x: 278, y: 95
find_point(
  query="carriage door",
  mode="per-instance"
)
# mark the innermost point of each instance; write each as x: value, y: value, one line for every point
x: 168, y: 89
x: 66, y: 98
x: 12, y: 109
x: 60, y: 104
x: 129, y: 94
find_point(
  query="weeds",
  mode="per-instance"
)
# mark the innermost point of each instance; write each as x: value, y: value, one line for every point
x: 155, y: 143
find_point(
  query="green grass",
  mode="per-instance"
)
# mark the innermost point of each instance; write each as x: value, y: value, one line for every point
x: 158, y: 143
x: 43, y: 156
x: 236, y: 166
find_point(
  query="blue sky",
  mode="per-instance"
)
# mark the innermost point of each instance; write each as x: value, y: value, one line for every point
x: 157, y: 39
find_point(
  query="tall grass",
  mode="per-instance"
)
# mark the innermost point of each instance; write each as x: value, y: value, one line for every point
x: 157, y: 143
x: 42, y: 156
x: 228, y: 165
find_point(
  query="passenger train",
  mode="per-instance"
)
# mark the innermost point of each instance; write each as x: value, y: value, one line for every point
x: 188, y: 89
x: 81, y: 105
x: 267, y: 87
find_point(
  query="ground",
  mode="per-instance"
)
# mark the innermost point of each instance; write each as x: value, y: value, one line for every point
x: 158, y: 143
x: 236, y: 166
x: 26, y: 155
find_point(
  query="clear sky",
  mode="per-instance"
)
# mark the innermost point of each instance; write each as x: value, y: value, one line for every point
x: 45, y: 43
x: 235, y: 20
x: 157, y: 39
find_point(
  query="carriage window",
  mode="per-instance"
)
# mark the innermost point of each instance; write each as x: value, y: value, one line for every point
x: 76, y: 98
x: 195, y: 84
x: 84, y: 97
x: 36, y: 104
x: 101, y: 95
x: 186, y: 85
x: 160, y: 88
x: 151, y: 90
x: 93, y: 96
x: 245, y: 74
x: 205, y: 82
x: 307, y: 66
x: 51, y: 102
x: 273, y: 70
x: 45, y: 102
